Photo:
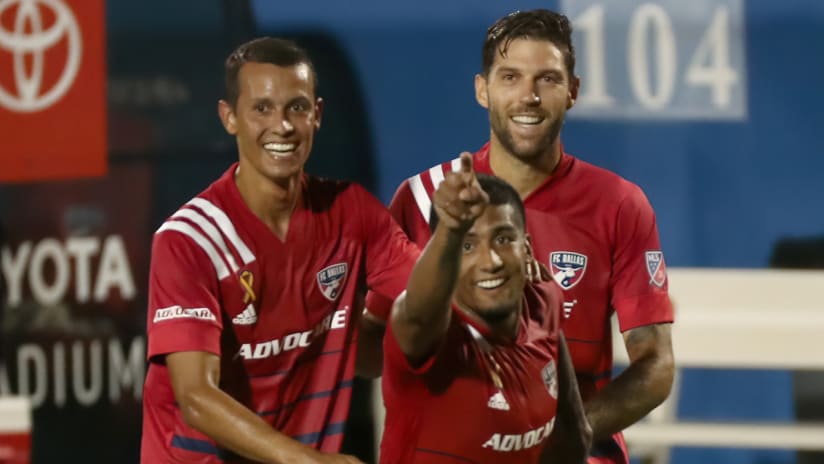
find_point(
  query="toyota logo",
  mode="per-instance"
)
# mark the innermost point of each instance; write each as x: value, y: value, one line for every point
x: 29, y: 95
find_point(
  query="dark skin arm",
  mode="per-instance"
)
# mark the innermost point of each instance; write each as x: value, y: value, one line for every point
x: 420, y: 317
x: 572, y: 435
x: 195, y: 376
x: 644, y: 385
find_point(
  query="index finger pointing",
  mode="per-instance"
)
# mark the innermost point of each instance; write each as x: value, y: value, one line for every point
x: 466, y: 163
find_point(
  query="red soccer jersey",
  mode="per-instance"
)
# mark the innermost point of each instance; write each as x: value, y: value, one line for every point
x: 478, y: 399
x: 596, y: 233
x: 280, y: 314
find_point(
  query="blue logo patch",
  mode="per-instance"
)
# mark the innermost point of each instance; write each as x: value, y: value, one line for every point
x: 656, y: 268
x: 331, y: 280
x: 567, y: 267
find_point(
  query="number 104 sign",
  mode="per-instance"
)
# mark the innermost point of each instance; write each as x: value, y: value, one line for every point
x: 671, y: 59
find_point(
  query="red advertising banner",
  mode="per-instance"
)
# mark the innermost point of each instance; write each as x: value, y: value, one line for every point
x: 52, y: 89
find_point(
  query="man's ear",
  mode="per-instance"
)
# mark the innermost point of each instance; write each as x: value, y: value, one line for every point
x: 481, y: 94
x: 572, y: 95
x: 528, y: 247
x: 318, y: 112
x: 227, y: 116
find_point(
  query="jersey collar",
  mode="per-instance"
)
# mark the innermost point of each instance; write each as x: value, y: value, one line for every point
x: 481, y: 164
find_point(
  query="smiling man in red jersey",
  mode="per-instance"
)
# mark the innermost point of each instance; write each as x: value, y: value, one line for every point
x: 594, y: 230
x: 254, y: 281
x: 468, y: 376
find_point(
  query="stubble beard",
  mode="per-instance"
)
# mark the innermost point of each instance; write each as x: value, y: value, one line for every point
x: 498, y: 121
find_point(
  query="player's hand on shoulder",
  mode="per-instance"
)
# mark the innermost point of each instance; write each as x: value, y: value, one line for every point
x: 459, y: 199
x: 537, y: 272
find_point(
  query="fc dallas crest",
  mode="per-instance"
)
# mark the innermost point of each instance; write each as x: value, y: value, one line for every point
x: 331, y: 280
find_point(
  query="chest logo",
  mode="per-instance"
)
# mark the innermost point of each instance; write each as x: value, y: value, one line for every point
x: 656, y: 268
x: 498, y: 401
x: 567, y: 267
x: 550, y: 376
x: 247, y: 317
x: 331, y: 280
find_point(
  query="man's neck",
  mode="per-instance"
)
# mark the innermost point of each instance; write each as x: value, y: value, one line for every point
x: 272, y: 202
x: 525, y: 175
x: 506, y: 328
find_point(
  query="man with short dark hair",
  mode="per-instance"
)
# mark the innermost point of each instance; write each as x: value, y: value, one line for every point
x: 253, y: 284
x: 467, y: 375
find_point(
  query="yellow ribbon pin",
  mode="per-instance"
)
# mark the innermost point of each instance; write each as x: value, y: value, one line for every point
x: 247, y: 279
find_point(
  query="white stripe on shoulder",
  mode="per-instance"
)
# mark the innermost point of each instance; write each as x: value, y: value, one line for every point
x: 211, y: 231
x: 203, y: 242
x: 436, y: 174
x: 456, y: 164
x: 226, y: 227
x: 421, y: 197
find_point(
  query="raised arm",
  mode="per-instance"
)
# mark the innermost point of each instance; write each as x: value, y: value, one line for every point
x: 421, y: 315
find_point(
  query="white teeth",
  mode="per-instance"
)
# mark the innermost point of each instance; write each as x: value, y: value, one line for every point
x: 280, y: 147
x: 489, y: 284
x: 527, y: 119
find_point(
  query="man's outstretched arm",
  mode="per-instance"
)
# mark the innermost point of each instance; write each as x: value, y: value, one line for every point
x: 421, y: 315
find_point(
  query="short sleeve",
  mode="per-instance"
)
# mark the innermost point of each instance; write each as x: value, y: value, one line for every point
x: 184, y: 310
x: 390, y: 255
x: 405, y: 212
x: 394, y: 361
x: 543, y: 302
x: 639, y: 279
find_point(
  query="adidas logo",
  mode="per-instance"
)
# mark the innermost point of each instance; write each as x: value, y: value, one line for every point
x: 497, y: 401
x: 247, y: 317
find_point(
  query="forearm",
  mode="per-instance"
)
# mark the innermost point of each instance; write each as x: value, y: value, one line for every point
x: 629, y: 397
x: 433, y: 279
x: 241, y: 431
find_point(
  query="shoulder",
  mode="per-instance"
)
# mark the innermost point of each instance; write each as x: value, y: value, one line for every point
x: 603, y: 178
x: 605, y: 185
x: 427, y: 181
x: 202, y: 233
x: 543, y: 302
x: 418, y: 189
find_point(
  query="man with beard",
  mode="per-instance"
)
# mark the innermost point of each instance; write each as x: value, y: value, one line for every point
x: 594, y: 230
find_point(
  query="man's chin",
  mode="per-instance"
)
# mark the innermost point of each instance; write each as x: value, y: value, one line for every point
x: 496, y: 314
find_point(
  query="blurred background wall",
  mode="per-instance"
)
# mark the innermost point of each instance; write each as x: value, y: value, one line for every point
x: 714, y: 107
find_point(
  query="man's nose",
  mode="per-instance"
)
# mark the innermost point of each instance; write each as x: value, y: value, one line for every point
x: 490, y: 260
x: 281, y: 124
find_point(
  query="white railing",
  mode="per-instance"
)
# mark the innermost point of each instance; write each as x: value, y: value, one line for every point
x: 763, y: 319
